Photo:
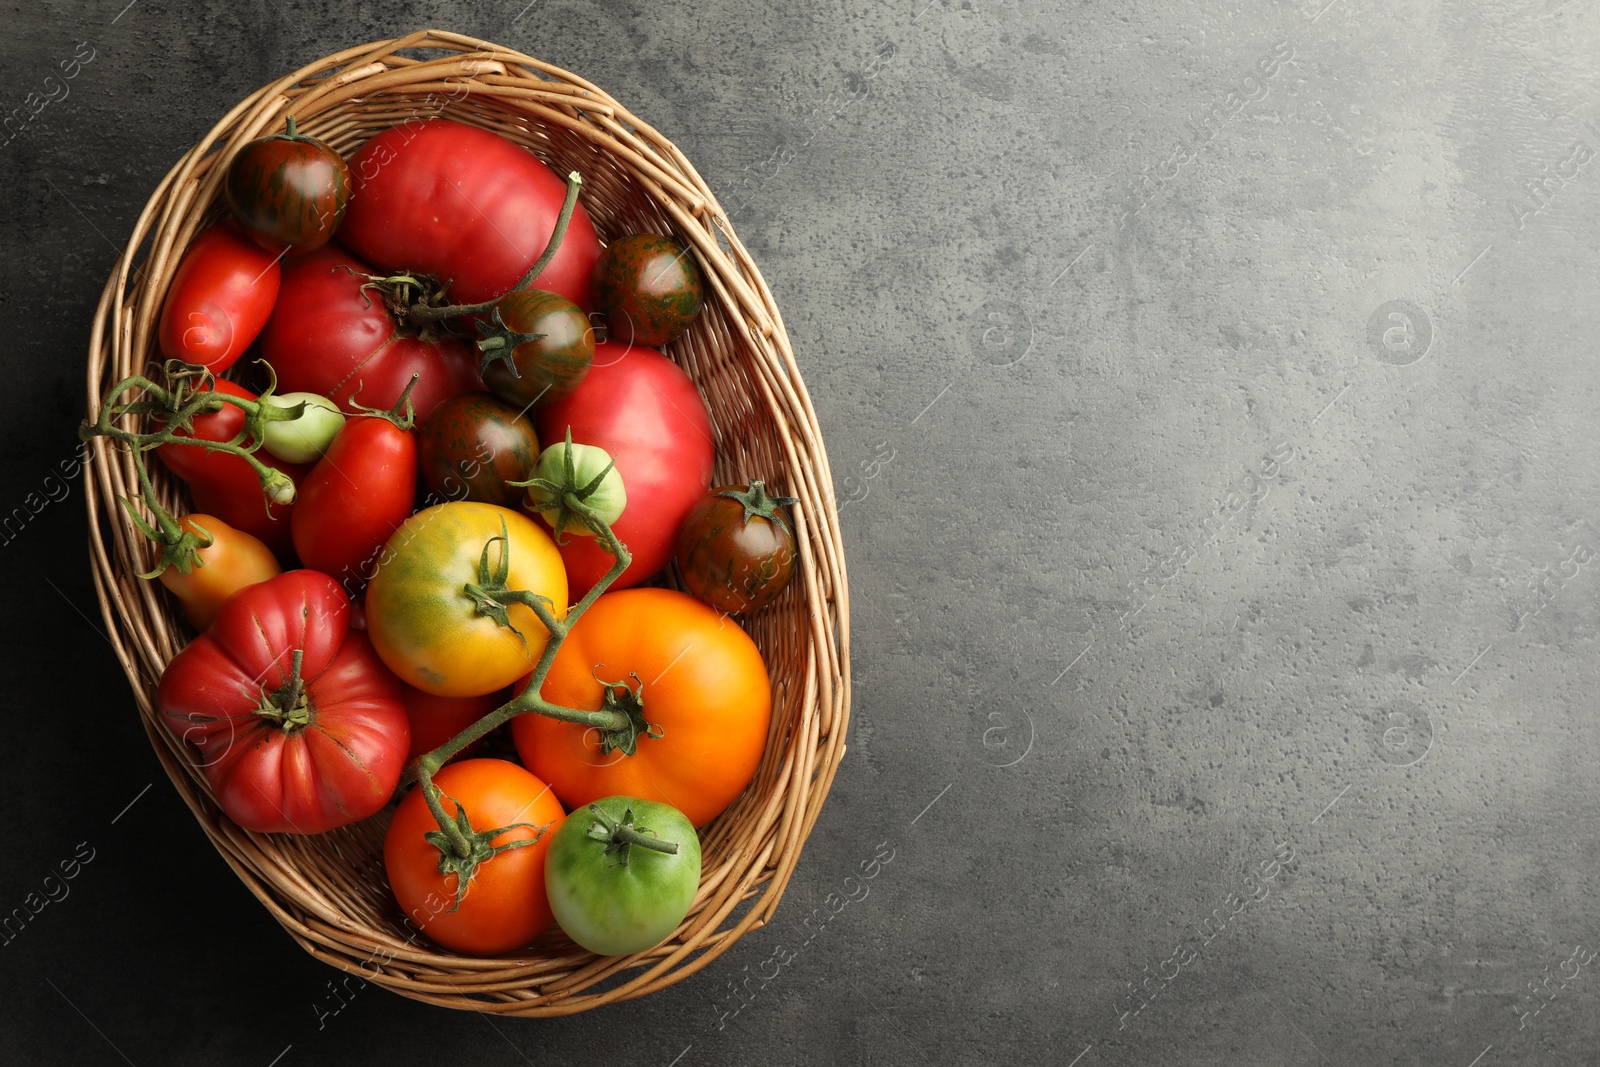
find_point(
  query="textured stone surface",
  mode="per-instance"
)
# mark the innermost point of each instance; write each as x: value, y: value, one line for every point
x: 1175, y: 546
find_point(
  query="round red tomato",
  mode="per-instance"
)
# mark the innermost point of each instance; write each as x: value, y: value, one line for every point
x: 219, y: 299
x: 297, y: 724
x: 697, y: 684
x: 641, y: 408
x: 504, y: 906
x: 467, y: 206
x: 327, y: 336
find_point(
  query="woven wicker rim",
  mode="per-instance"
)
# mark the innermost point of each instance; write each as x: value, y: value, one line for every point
x: 329, y: 891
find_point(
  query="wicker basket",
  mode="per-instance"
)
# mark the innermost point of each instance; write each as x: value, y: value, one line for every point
x: 329, y: 891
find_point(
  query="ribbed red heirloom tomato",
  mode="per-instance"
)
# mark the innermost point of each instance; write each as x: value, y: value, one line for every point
x: 641, y: 408
x: 297, y: 723
x: 467, y: 206
x: 219, y: 299
x: 327, y: 336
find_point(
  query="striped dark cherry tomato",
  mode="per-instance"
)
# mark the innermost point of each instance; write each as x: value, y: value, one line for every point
x: 472, y: 445
x: 735, y: 549
x: 537, y: 347
x: 648, y: 288
x: 289, y: 191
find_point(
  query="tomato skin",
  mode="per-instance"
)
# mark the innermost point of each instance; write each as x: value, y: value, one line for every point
x: 326, y: 336
x: 642, y: 408
x: 288, y: 192
x: 355, y: 498
x: 227, y: 486
x: 233, y: 561
x: 615, y: 909
x: 735, y: 562
x: 648, y: 288
x: 469, y: 207
x: 703, y: 682
x: 219, y: 299
x: 549, y: 367
x: 423, y: 624
x: 340, y: 766
x: 505, y: 906
x: 435, y: 720
x: 472, y: 445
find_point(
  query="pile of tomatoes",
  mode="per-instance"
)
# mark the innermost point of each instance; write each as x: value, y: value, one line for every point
x: 437, y: 515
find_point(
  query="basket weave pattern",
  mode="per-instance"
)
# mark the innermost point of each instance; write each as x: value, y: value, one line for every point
x: 329, y: 891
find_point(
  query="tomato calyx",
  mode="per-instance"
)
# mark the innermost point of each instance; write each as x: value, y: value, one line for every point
x: 620, y: 835
x: 625, y: 704
x: 499, y: 342
x: 289, y: 707
x: 461, y: 848
x: 756, y: 502
x: 490, y: 597
x: 402, y: 415
x: 562, y: 500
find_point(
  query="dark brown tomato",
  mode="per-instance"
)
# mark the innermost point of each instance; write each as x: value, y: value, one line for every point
x: 648, y: 288
x: 540, y: 369
x: 735, y: 549
x: 472, y: 445
x: 289, y: 191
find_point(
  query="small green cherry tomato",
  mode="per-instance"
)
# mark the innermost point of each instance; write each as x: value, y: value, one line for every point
x: 586, y: 469
x: 613, y: 888
x: 648, y: 288
x: 305, y: 439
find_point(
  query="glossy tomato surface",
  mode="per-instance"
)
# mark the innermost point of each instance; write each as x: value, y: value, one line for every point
x: 234, y: 560
x: 220, y: 298
x: 472, y: 445
x: 504, y: 906
x: 424, y: 624
x: 467, y: 206
x: 355, y: 498
x: 288, y: 191
x: 282, y: 758
x: 704, y: 690
x: 641, y: 408
x: 327, y: 336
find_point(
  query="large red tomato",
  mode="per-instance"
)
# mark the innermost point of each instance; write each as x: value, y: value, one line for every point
x: 328, y: 336
x: 287, y: 751
x: 641, y: 408
x: 467, y: 206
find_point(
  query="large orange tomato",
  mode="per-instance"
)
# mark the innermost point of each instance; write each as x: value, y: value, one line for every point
x: 692, y: 681
x: 430, y: 630
x: 504, y: 906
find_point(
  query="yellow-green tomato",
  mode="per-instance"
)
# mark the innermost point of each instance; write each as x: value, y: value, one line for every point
x: 611, y: 891
x: 305, y: 439
x: 587, y: 471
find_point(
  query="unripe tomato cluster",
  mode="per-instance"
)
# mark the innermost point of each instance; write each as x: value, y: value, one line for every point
x: 447, y: 508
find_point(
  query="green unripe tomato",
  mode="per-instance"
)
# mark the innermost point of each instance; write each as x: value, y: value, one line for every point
x: 615, y: 898
x: 302, y: 440
x: 587, y: 462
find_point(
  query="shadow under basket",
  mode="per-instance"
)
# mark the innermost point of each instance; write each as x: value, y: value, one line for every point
x: 329, y: 890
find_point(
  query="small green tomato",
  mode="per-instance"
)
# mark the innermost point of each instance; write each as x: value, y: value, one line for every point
x: 302, y: 440
x: 584, y: 471
x: 611, y: 884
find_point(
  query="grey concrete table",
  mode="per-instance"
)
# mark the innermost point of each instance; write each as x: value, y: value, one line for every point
x: 1211, y: 393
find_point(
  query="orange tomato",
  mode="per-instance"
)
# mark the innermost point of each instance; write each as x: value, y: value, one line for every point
x: 505, y: 905
x: 704, y: 693
x: 233, y: 560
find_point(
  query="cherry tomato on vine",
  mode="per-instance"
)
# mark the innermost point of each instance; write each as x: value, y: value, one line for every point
x: 504, y: 906
x: 355, y: 498
x: 641, y: 408
x: 422, y: 620
x: 219, y: 299
x: 648, y: 288
x: 472, y: 445
x: 468, y: 206
x: 233, y: 561
x: 538, y: 346
x: 288, y: 191
x: 328, y: 336
x: 611, y: 892
x: 690, y: 680
x: 227, y: 486
x: 297, y: 724
x: 735, y: 549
